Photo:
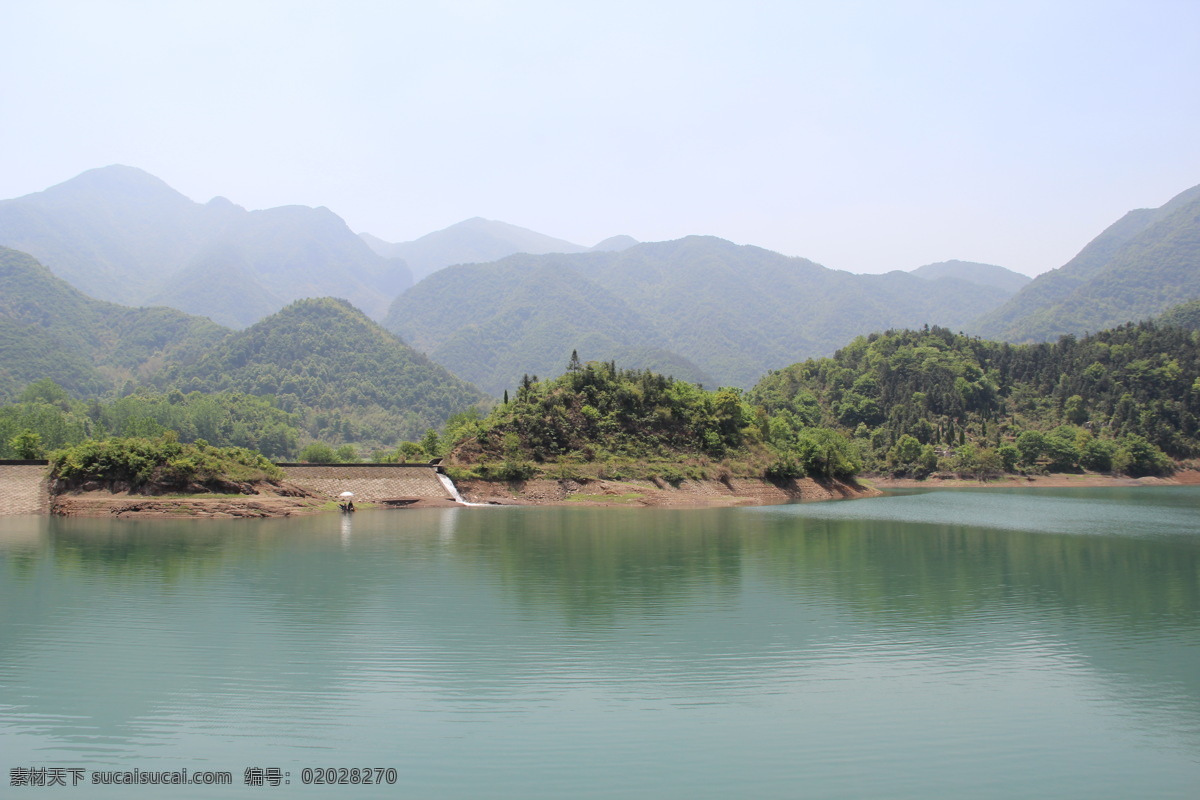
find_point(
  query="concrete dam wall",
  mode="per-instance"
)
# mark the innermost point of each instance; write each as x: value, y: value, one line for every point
x: 24, y: 488
x: 370, y: 483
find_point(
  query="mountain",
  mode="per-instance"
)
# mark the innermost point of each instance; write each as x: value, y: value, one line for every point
x: 616, y: 243
x: 733, y: 311
x: 120, y: 234
x: 322, y: 357
x: 497, y: 322
x: 475, y: 240
x: 1141, y: 265
x: 971, y: 272
x: 49, y: 329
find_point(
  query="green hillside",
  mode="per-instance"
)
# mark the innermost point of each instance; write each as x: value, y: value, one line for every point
x: 349, y: 379
x: 732, y: 311
x: 45, y: 418
x: 493, y: 323
x: 1145, y: 263
x: 50, y: 330
x: 597, y: 420
x: 924, y: 400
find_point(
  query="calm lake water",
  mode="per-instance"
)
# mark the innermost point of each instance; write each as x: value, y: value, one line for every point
x: 952, y: 644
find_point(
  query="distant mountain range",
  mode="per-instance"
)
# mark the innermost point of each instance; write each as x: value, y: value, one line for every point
x: 714, y: 308
x: 479, y: 240
x: 120, y: 234
x: 495, y: 301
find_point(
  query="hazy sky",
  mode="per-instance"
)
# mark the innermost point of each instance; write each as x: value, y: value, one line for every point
x: 866, y: 136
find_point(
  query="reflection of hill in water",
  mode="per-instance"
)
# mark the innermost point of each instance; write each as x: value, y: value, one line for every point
x: 151, y: 621
x: 594, y: 566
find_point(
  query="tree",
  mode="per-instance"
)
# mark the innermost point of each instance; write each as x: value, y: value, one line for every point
x: 1008, y: 455
x: 431, y: 444
x: 28, y: 445
x: 1097, y: 455
x: 907, y: 450
x: 826, y: 454
x: 318, y: 453
x: 1059, y: 448
x: 1137, y: 457
x: 48, y: 392
x: 1074, y: 411
x: 1031, y: 445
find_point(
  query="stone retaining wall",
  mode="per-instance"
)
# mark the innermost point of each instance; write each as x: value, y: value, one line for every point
x: 24, y: 489
x: 369, y: 483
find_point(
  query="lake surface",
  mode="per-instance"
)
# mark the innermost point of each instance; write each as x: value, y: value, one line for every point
x: 950, y: 644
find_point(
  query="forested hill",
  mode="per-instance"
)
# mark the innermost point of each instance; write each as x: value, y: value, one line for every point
x: 50, y: 330
x: 930, y: 399
x: 600, y: 421
x: 351, y: 379
x: 732, y: 311
x: 1140, y: 266
x: 120, y: 234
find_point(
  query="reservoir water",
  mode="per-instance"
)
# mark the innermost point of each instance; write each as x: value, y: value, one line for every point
x: 949, y: 644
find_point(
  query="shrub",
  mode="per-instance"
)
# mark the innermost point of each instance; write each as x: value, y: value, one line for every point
x: 137, y: 461
x: 319, y: 453
x: 1137, y: 457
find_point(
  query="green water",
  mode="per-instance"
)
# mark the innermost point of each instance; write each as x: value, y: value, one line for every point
x: 986, y: 644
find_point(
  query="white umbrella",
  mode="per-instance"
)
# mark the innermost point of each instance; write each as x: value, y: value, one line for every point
x: 346, y: 494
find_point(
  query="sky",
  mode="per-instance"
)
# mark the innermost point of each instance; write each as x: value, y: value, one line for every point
x: 866, y: 136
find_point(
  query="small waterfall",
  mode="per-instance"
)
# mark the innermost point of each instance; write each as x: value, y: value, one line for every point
x: 453, y: 490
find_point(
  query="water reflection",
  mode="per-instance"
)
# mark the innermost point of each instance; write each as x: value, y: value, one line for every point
x: 808, y: 625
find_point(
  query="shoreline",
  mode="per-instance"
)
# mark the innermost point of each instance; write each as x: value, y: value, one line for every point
x: 535, y: 492
x: 1056, y: 480
x: 729, y: 493
x: 659, y: 494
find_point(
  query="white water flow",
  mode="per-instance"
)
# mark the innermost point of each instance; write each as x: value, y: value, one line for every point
x: 453, y: 490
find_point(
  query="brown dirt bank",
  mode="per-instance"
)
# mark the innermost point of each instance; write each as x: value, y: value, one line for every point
x: 252, y: 500
x: 310, y: 491
x: 644, y: 493
x: 286, y: 500
x: 1186, y: 477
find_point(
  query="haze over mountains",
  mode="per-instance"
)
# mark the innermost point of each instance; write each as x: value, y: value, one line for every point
x: 120, y: 234
x: 983, y: 274
x: 494, y: 301
x: 478, y: 240
x: 732, y: 311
